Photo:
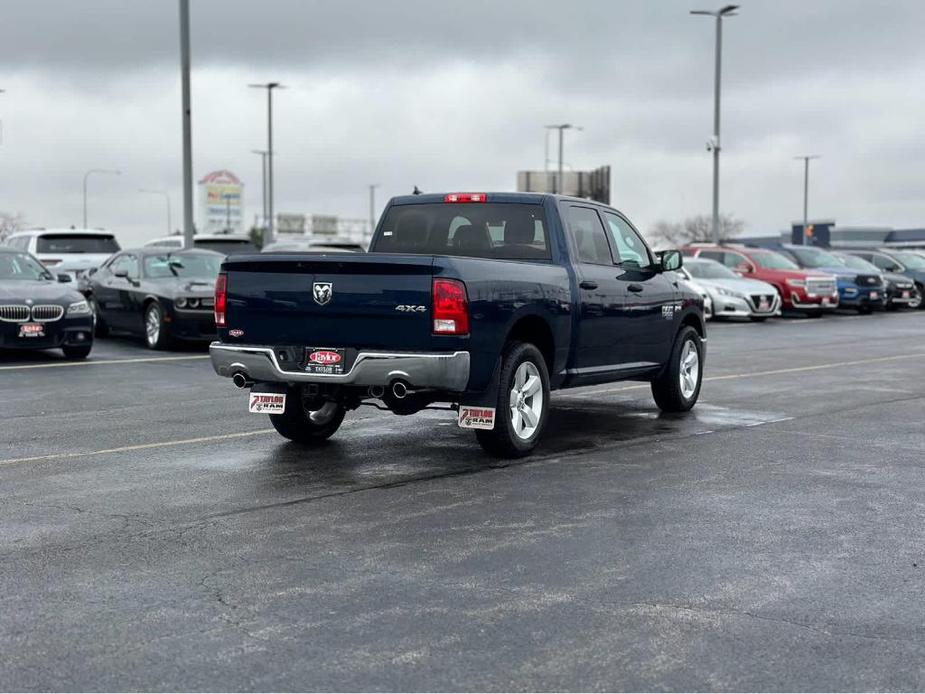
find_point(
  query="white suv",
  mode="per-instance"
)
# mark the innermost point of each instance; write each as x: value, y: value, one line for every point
x: 71, y: 251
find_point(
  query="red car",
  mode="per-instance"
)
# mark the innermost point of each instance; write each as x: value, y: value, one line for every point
x: 800, y: 290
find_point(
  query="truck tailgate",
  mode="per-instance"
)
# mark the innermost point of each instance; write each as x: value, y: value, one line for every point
x: 371, y: 301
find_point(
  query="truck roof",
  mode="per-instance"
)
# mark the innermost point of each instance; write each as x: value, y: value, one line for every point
x: 527, y: 198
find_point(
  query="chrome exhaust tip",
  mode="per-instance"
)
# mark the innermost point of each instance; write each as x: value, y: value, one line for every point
x: 376, y: 391
x: 240, y: 380
x: 400, y: 390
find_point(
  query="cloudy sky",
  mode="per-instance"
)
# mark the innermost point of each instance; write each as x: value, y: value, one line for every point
x: 453, y: 96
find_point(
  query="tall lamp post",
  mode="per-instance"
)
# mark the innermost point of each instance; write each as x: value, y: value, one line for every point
x: 805, y: 158
x: 713, y: 144
x: 167, y: 200
x: 269, y: 86
x: 187, y: 126
x: 561, y: 128
x: 372, y: 208
x: 263, y: 181
x: 86, y: 176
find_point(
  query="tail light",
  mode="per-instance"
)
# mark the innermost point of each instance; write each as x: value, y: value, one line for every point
x: 451, y: 308
x: 464, y: 197
x: 51, y: 262
x: 221, y: 299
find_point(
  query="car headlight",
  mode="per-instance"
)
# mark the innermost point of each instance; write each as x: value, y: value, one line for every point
x: 193, y: 303
x: 796, y: 283
x: 180, y: 302
x: 78, y: 308
x: 728, y: 292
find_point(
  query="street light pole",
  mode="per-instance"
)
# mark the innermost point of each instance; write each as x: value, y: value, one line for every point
x: 714, y: 144
x: 372, y: 208
x: 187, y: 126
x: 167, y: 200
x: 269, y: 86
x: 263, y: 181
x: 561, y: 128
x: 86, y: 176
x: 805, y: 158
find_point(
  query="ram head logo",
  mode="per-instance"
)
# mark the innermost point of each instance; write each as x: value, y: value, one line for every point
x: 322, y: 291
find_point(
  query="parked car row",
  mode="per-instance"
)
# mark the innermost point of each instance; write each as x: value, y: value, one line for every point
x: 61, y: 287
x: 757, y: 283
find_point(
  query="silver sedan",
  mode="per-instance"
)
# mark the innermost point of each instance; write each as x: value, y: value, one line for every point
x: 734, y: 296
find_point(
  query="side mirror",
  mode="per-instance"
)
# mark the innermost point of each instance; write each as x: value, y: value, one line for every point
x: 745, y: 269
x: 63, y: 278
x: 121, y: 273
x: 670, y: 260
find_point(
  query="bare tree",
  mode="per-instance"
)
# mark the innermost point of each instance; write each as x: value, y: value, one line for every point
x: 10, y: 223
x: 697, y: 229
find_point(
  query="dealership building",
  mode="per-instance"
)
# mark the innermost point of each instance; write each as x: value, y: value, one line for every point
x: 827, y: 234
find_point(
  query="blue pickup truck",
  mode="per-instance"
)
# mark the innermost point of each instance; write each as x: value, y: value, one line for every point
x: 482, y: 302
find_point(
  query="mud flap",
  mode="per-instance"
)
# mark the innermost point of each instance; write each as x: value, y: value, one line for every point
x: 477, y: 410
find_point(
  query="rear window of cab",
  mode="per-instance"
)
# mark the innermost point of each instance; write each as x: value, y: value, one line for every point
x: 512, y: 231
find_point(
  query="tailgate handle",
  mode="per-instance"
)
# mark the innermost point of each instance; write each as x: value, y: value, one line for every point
x: 588, y: 285
x: 635, y: 288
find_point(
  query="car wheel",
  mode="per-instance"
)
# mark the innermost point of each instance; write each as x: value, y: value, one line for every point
x: 80, y: 352
x: 864, y: 310
x: 678, y: 386
x: 156, y: 331
x: 523, y: 403
x: 100, y: 327
x: 308, y: 420
x: 916, y: 300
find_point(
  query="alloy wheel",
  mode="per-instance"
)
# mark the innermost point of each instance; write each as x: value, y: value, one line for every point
x: 526, y: 400
x: 690, y: 369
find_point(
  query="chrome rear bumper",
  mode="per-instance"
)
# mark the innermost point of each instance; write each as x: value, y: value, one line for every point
x: 447, y: 371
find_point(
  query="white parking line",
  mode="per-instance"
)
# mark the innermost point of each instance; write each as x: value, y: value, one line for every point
x: 136, y: 447
x: 98, y: 362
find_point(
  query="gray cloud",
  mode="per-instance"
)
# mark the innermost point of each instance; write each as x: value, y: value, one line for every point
x: 451, y: 96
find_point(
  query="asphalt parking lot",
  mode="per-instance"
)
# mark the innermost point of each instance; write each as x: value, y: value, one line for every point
x: 156, y: 536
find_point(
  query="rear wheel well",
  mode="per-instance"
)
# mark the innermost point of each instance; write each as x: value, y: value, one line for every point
x: 536, y: 331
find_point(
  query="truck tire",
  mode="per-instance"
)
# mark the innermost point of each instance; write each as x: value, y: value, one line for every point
x: 678, y: 386
x: 301, y: 424
x: 523, y: 403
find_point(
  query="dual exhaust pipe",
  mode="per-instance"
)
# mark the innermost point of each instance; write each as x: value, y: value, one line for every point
x: 398, y: 389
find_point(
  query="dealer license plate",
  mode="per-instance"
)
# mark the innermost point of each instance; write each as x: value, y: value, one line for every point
x: 906, y: 295
x: 874, y: 295
x: 31, y: 330
x: 322, y: 360
x: 764, y: 306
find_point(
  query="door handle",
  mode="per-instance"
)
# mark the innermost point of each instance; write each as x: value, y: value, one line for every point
x: 635, y: 288
x: 587, y: 285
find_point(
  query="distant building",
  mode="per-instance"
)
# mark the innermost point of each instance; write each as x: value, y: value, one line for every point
x: 221, y: 204
x: 827, y: 234
x: 594, y: 185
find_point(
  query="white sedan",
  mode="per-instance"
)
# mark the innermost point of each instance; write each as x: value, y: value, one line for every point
x: 734, y: 296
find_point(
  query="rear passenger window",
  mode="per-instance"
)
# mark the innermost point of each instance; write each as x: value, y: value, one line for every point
x: 588, y: 235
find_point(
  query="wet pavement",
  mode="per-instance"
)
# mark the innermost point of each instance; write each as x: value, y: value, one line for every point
x: 153, y: 535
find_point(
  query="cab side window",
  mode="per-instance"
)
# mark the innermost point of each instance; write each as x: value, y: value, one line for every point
x: 712, y: 255
x: 884, y: 263
x: 588, y: 234
x: 734, y: 261
x: 127, y: 263
x: 629, y: 247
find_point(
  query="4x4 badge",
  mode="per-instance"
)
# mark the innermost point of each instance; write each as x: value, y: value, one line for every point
x: 322, y: 291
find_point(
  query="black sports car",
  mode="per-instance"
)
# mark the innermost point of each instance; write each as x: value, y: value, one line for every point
x: 40, y: 311
x: 159, y: 294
